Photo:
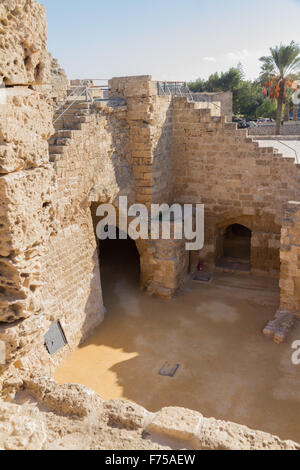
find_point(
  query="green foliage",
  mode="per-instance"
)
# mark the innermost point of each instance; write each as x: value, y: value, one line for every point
x: 248, y: 99
x: 247, y: 96
x: 226, y: 81
x: 283, y: 61
x: 268, y: 109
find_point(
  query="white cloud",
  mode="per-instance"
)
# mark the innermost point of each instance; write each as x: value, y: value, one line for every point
x: 238, y: 55
x: 209, y: 59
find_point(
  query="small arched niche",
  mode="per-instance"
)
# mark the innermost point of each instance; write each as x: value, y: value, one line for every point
x: 235, y: 248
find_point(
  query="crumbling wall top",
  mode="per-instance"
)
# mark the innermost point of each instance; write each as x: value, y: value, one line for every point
x: 24, y: 59
x: 131, y: 87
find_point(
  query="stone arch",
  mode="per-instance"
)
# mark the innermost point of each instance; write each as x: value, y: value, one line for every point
x: 265, y: 242
x: 140, y: 247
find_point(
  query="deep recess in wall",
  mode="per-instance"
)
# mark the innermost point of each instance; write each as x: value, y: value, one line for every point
x: 119, y: 260
x: 236, y: 248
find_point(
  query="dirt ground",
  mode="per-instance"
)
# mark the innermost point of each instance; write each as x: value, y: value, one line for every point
x: 227, y: 368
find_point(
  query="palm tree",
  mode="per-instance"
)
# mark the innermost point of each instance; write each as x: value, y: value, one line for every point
x: 295, y: 112
x: 287, y: 109
x: 295, y: 87
x: 279, y: 68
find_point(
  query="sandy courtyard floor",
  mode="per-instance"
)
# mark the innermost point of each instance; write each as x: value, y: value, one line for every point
x: 228, y: 369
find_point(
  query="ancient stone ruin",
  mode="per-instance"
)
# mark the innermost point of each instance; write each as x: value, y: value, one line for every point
x: 57, y: 164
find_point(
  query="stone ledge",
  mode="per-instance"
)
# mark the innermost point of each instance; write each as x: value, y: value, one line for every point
x: 178, y: 427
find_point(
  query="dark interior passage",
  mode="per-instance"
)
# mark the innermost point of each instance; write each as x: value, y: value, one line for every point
x: 119, y: 260
x: 236, y: 248
x: 237, y: 242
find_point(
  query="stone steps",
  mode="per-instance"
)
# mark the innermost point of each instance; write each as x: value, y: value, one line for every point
x: 56, y: 149
x: 241, y: 135
x: 69, y: 120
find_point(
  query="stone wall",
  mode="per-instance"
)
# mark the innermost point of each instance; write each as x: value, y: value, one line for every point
x: 59, y: 82
x: 49, y: 258
x: 150, y: 123
x: 27, y: 181
x: 290, y: 128
x: 150, y: 119
x: 238, y: 182
x: 224, y: 101
x: 290, y: 260
x: 59, y: 277
x: 153, y: 149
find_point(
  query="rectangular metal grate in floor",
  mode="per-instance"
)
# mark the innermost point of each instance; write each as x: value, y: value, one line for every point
x: 169, y: 370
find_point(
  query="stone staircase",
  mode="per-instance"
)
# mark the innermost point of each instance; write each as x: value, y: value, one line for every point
x: 66, y: 123
x: 241, y: 135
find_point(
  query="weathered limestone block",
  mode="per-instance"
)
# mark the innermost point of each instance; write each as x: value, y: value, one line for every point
x: 132, y: 86
x: 278, y: 328
x: 178, y: 423
x: 59, y: 81
x: 24, y: 341
x: 126, y: 415
x: 20, y: 282
x: 74, y: 400
x: 196, y: 432
x: 28, y: 217
x: 27, y: 209
x: 25, y: 127
x: 222, y: 435
x: 21, y: 427
x: 23, y: 56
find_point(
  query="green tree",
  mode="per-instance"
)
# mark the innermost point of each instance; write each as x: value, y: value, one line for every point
x: 248, y: 99
x: 279, y: 67
x: 225, y: 81
x: 246, y: 94
x: 268, y: 109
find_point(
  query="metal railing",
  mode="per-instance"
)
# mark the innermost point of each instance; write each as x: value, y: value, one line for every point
x: 84, y: 91
x: 255, y: 138
x: 82, y: 88
x: 174, y: 89
x: 291, y: 148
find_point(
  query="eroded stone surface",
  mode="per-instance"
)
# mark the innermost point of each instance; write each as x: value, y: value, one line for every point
x: 25, y: 127
x: 23, y: 55
x: 21, y: 428
x: 154, y: 150
x: 48, y: 416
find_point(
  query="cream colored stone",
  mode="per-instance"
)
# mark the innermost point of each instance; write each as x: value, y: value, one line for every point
x: 23, y: 56
x: 49, y: 416
x: 177, y: 423
x: 153, y: 149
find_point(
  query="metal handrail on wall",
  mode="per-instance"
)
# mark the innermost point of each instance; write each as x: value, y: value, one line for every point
x: 283, y: 143
x: 85, y: 91
x: 174, y: 89
x: 83, y: 88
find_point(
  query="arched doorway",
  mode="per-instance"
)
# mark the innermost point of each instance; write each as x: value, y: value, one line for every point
x: 236, y: 248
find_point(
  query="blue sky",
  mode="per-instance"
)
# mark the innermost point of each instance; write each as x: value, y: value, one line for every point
x: 168, y: 39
